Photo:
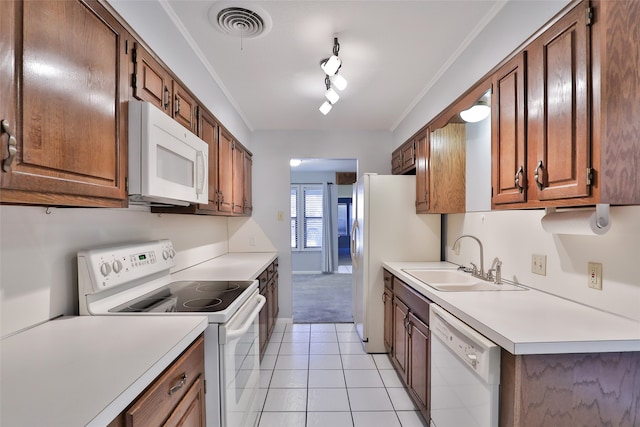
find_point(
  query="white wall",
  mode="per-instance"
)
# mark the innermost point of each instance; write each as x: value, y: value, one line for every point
x: 273, y: 150
x: 38, y: 271
x: 514, y: 236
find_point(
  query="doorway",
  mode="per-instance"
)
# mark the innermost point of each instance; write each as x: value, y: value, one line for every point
x: 321, y: 273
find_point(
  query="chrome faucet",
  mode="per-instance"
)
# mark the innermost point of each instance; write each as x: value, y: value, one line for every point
x: 497, y: 267
x: 475, y: 272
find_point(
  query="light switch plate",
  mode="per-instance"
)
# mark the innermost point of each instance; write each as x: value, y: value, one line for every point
x: 539, y: 264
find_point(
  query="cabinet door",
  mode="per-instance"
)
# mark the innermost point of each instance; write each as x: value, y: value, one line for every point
x: 190, y: 412
x: 419, y: 361
x: 238, y: 179
x: 248, y: 177
x: 225, y: 172
x: 151, y: 82
x: 208, y: 130
x: 387, y: 299
x: 408, y: 155
x: 558, y: 109
x: 422, y: 172
x: 396, y: 161
x: 400, y: 337
x: 508, y: 134
x: 184, y: 107
x: 70, y: 133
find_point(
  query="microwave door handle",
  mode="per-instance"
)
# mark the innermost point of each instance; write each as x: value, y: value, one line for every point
x: 200, y: 172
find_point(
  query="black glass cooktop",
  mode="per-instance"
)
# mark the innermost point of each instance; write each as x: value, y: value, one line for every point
x: 187, y: 296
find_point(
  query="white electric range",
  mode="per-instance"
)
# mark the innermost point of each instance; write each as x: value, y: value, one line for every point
x: 135, y: 279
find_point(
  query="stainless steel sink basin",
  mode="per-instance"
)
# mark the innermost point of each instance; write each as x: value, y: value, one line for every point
x: 457, y: 281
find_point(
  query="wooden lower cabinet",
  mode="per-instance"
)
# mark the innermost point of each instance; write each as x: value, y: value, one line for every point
x: 407, y: 316
x: 268, y: 285
x: 587, y: 389
x: 418, y: 374
x: 175, y: 398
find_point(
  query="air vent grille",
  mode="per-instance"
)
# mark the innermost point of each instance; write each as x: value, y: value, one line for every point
x: 240, y: 22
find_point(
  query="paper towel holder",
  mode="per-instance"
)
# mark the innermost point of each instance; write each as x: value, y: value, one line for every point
x: 602, y: 214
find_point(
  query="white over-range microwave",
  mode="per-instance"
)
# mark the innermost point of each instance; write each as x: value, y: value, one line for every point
x: 168, y: 164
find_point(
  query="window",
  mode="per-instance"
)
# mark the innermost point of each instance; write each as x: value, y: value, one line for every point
x: 306, y: 216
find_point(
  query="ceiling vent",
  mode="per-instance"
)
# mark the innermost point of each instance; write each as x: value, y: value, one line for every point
x: 244, y: 21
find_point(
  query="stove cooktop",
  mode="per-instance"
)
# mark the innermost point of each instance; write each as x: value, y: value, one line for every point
x: 187, y: 296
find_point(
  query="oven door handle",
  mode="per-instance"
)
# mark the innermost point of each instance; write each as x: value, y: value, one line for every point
x: 231, y: 334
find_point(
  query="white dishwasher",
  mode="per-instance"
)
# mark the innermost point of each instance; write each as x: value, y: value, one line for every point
x: 465, y: 374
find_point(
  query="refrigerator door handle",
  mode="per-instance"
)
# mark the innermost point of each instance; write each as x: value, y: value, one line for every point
x: 354, y: 231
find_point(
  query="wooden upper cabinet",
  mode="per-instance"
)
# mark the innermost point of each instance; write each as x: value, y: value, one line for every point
x: 238, y: 154
x: 559, y: 83
x: 65, y: 124
x: 225, y: 172
x: 248, y: 185
x: 447, y: 165
x: 209, y: 132
x: 184, y: 108
x: 403, y: 159
x: 422, y: 171
x: 152, y: 82
x: 508, y: 133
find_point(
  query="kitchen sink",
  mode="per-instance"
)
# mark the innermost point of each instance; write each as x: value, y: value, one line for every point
x: 457, y: 281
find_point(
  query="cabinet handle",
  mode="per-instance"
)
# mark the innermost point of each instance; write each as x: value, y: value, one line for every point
x: 519, y: 174
x: 539, y: 183
x: 183, y: 381
x: 177, y: 105
x: 167, y: 98
x: 12, y: 147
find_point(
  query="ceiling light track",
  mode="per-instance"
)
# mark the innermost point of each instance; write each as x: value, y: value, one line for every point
x: 330, y: 66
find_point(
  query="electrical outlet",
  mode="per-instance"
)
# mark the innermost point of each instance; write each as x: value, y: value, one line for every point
x: 252, y: 240
x: 539, y: 264
x: 595, y: 275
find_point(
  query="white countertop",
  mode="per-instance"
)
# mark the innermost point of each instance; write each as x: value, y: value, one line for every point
x: 85, y: 370
x: 530, y: 322
x: 230, y: 266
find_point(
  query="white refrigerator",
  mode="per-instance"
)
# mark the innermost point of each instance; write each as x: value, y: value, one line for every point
x: 385, y: 227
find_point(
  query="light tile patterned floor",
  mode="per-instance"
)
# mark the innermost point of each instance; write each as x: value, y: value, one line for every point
x: 318, y: 375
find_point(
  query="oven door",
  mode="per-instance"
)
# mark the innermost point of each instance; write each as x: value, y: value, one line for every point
x: 240, y: 365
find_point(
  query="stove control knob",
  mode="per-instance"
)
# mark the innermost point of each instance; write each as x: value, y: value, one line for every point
x: 165, y: 254
x: 172, y: 253
x: 105, y: 269
x: 117, y: 266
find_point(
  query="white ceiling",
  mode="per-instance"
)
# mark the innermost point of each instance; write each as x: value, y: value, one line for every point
x: 391, y: 51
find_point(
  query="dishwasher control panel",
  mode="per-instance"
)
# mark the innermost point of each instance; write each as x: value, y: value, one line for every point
x: 476, y: 351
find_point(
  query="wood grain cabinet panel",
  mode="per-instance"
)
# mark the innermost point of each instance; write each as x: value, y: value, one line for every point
x: 225, y: 172
x: 419, y: 362
x: 151, y: 81
x: 70, y: 133
x: 422, y: 171
x: 400, y: 338
x: 447, y: 163
x: 559, y: 83
x: 268, y: 283
x: 508, y: 128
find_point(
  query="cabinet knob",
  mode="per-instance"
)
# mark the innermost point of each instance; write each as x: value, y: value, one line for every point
x: 538, y: 175
x: 12, y: 147
x: 519, y: 177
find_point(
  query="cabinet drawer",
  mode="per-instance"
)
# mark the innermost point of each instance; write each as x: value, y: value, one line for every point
x: 418, y: 304
x: 159, y: 400
x: 263, y: 278
x: 388, y: 280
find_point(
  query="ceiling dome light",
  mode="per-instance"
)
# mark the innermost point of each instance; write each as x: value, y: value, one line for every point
x: 478, y: 112
x: 339, y: 82
x: 326, y: 107
x: 331, y: 95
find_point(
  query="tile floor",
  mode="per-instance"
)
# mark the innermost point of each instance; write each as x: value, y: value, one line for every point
x: 318, y: 375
